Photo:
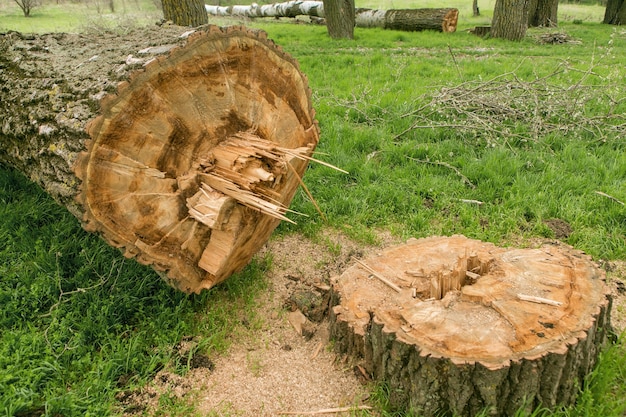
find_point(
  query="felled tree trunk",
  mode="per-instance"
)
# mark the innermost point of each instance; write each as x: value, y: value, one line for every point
x: 457, y: 326
x: 442, y: 20
x: 615, y: 13
x: 182, y: 149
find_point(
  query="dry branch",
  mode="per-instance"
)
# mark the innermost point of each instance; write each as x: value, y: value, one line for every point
x: 336, y: 410
x: 447, y: 165
x: 507, y: 108
x: 610, y: 197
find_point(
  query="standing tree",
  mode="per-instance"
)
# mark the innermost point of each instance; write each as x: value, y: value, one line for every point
x: 27, y: 6
x: 543, y: 13
x: 185, y: 12
x: 340, y: 18
x: 510, y: 19
x: 475, y: 10
x: 615, y: 13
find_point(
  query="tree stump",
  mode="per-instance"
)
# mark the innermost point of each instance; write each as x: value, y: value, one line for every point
x: 182, y: 149
x: 456, y: 326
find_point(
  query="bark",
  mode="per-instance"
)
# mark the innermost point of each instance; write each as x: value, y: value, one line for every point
x: 510, y: 19
x: 475, y: 10
x: 442, y: 20
x: 340, y: 18
x: 543, y: 13
x: 185, y: 155
x: 615, y: 13
x: 185, y: 12
x: 455, y: 326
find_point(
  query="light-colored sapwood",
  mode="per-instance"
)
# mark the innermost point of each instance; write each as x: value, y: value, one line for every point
x: 458, y: 325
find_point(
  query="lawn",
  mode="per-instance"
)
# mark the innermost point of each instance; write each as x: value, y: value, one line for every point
x: 79, y: 323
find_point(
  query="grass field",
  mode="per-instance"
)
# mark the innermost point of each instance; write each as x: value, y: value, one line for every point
x: 78, y: 323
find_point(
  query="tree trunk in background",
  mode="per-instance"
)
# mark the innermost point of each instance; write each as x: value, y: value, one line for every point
x: 510, y: 19
x: 475, y: 10
x: 615, y: 13
x: 455, y: 326
x: 185, y: 12
x: 543, y: 13
x: 185, y: 155
x: 339, y: 18
x: 441, y: 20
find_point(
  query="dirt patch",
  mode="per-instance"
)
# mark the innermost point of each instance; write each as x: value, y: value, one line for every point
x: 278, y: 369
x: 561, y: 228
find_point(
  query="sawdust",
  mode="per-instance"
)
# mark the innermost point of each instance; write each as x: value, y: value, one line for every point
x: 278, y: 370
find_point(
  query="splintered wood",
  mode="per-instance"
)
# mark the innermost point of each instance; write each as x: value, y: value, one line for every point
x: 456, y: 312
x: 195, y: 161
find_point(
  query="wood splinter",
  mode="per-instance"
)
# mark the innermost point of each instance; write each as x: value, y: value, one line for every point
x: 539, y: 300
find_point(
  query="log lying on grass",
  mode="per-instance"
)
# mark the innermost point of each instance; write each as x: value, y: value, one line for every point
x: 442, y: 19
x: 456, y: 326
x: 182, y: 149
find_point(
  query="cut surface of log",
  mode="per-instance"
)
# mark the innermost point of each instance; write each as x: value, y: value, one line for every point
x: 438, y: 19
x: 471, y: 326
x: 189, y: 164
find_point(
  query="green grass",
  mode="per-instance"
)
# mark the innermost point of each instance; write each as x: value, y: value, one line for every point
x: 78, y: 323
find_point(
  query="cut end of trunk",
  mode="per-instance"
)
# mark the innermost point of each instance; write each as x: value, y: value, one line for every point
x: 187, y: 167
x: 450, y: 21
x: 451, y: 306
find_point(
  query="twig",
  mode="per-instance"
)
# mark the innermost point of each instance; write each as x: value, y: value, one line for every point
x: 477, y: 202
x: 447, y: 165
x: 326, y: 411
x: 377, y: 275
x: 538, y: 300
x: 458, y: 70
x: 610, y: 197
x: 308, y: 193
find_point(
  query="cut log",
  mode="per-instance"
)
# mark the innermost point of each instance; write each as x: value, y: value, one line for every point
x: 442, y: 19
x: 472, y: 326
x: 188, y: 165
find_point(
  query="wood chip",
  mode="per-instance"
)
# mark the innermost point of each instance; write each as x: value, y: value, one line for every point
x: 538, y: 300
x: 377, y: 275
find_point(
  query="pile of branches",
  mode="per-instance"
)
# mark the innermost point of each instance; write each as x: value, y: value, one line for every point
x: 553, y: 38
x: 507, y: 108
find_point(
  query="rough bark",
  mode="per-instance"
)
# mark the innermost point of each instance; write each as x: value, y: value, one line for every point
x: 339, y: 18
x: 442, y: 20
x: 615, y: 13
x: 457, y: 326
x: 185, y: 12
x: 510, y: 19
x: 543, y: 13
x: 185, y: 155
